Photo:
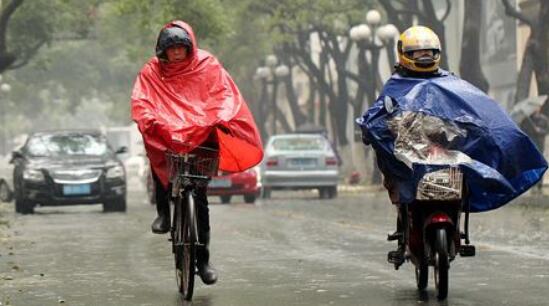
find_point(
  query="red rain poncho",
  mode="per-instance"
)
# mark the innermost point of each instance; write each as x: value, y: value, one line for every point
x: 184, y: 102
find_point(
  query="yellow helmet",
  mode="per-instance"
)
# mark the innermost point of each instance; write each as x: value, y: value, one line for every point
x: 414, y: 39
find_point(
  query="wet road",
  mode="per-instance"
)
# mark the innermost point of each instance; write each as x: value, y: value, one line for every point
x: 290, y: 250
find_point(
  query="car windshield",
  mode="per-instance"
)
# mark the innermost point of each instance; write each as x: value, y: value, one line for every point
x: 299, y: 144
x: 67, y: 144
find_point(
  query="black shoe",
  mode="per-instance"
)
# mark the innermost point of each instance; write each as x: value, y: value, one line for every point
x: 161, y: 225
x: 396, y: 257
x: 207, y: 273
x: 395, y: 236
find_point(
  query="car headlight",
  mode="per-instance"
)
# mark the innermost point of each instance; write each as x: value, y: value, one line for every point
x: 34, y: 175
x: 115, y: 172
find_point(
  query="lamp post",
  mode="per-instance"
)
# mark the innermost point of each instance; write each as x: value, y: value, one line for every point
x: 280, y: 72
x: 4, y: 88
x: 387, y: 35
x: 271, y: 61
x: 271, y: 73
x: 373, y: 37
x: 262, y: 73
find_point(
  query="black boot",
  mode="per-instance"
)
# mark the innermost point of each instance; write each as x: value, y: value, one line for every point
x: 206, y: 272
x: 161, y: 224
x: 397, y: 256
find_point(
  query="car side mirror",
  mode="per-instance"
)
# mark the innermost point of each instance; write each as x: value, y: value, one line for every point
x: 122, y: 150
x: 15, y: 155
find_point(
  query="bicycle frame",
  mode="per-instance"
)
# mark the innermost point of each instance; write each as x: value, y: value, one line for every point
x: 187, y: 172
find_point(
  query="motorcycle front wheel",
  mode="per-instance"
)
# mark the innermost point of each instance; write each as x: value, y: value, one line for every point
x: 441, y: 264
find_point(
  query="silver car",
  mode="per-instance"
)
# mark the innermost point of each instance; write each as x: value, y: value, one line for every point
x: 300, y: 161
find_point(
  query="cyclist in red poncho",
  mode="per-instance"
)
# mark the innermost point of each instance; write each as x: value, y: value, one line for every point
x: 183, y: 98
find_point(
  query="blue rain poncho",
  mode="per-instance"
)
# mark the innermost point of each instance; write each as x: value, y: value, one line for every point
x: 414, y: 118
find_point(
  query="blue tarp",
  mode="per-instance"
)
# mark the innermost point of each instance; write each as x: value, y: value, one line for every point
x: 505, y: 163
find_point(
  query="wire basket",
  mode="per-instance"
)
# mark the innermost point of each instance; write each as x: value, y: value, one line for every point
x: 442, y: 185
x: 201, y: 162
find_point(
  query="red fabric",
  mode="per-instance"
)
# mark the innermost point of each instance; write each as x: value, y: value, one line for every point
x: 184, y: 102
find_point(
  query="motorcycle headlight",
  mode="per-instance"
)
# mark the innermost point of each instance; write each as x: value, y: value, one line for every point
x: 115, y: 172
x: 33, y: 175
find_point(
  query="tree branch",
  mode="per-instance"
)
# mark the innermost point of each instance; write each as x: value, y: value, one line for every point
x: 447, y: 13
x: 513, y: 12
x: 25, y: 57
x: 5, y: 16
x: 418, y: 13
x: 354, y: 77
x: 392, y: 14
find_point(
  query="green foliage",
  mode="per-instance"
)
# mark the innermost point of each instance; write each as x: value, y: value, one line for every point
x: 144, y: 19
x: 94, y: 53
x: 95, y: 48
x: 287, y: 16
x: 37, y: 22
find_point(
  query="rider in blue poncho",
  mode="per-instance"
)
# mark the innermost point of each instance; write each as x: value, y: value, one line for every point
x: 498, y: 160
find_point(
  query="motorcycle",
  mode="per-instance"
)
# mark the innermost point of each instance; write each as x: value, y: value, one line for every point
x: 431, y: 224
x: 449, y: 150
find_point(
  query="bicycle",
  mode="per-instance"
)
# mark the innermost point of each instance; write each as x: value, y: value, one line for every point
x: 187, y: 172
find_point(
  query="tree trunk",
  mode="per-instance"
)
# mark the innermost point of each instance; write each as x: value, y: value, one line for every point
x: 525, y: 73
x: 261, y: 110
x: 299, y: 117
x: 323, y: 95
x: 469, y: 66
x: 437, y: 26
x: 541, y: 51
x: 341, y: 109
x: 286, y: 128
x: 311, y: 101
x: 7, y: 59
x: 274, y: 105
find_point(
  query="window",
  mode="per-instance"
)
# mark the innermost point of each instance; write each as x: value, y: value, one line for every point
x: 67, y: 144
x: 299, y: 144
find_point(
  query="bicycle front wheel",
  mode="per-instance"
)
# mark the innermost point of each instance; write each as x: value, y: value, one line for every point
x: 185, y: 235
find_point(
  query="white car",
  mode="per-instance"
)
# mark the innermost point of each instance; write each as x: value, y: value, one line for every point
x: 300, y: 161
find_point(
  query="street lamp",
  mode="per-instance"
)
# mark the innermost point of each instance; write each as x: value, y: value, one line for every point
x: 271, y: 74
x: 366, y: 37
x: 262, y: 73
x: 373, y: 17
x: 363, y: 32
x: 271, y: 60
x: 280, y: 72
x: 5, y: 88
x: 387, y: 35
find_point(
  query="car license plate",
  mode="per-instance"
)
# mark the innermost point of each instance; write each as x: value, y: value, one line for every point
x: 303, y: 162
x: 220, y: 183
x: 77, y: 189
